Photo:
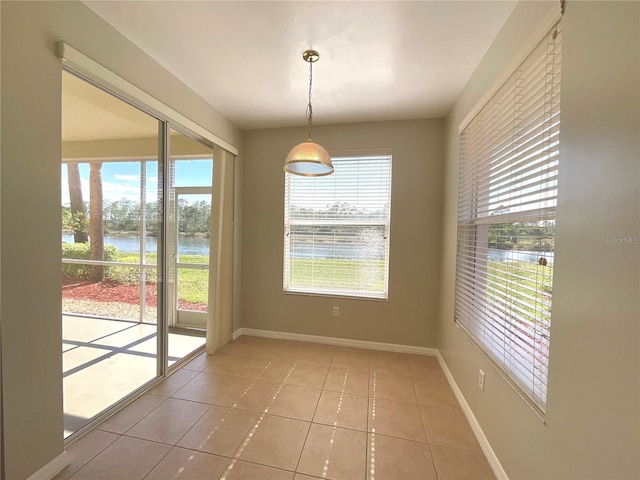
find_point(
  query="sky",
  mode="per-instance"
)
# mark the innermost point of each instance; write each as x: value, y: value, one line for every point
x: 121, y: 180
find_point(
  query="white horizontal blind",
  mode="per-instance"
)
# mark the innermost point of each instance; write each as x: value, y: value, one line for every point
x: 506, y: 220
x: 336, y: 232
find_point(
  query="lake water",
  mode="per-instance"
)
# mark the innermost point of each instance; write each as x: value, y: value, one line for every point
x: 495, y: 255
x: 131, y: 243
x: 339, y: 251
x: 200, y: 246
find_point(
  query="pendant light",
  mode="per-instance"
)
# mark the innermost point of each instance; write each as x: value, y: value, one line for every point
x: 308, y: 158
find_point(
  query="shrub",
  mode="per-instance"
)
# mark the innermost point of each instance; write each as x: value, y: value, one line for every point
x: 124, y: 274
x: 127, y: 275
x: 81, y: 251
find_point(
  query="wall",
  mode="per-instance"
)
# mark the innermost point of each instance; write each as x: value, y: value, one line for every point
x: 1, y: 393
x: 592, y: 421
x: 30, y: 197
x: 409, y: 316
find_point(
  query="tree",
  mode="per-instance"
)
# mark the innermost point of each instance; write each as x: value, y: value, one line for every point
x: 96, y: 229
x: 122, y: 216
x: 78, y: 212
x: 152, y: 219
x: 193, y: 217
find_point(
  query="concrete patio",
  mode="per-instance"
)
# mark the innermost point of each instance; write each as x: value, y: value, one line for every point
x: 105, y: 360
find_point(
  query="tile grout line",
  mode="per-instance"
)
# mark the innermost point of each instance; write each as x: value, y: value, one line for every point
x: 366, y: 433
x: 136, y: 423
x: 315, y: 410
x: 98, y: 453
x: 158, y: 462
x: 424, y: 427
x: 366, y: 452
x: 245, y: 440
x: 262, y: 414
x: 253, y: 463
x: 192, y: 426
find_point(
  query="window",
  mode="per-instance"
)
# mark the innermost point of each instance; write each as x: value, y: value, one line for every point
x: 336, y: 229
x: 506, y: 221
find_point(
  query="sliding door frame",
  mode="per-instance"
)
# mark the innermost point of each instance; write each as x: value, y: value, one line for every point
x: 76, y: 63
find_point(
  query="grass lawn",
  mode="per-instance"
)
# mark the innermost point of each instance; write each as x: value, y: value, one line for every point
x: 342, y: 274
x: 331, y: 274
x: 192, y: 284
x: 522, y: 284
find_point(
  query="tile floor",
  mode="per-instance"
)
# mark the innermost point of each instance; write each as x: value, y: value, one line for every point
x: 266, y: 409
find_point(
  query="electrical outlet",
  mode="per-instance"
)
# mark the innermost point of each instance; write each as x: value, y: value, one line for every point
x: 336, y: 311
x: 481, y: 380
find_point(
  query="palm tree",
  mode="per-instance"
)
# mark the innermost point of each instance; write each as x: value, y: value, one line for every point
x: 96, y: 228
x: 78, y: 213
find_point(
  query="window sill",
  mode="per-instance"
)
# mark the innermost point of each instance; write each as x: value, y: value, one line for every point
x: 335, y: 295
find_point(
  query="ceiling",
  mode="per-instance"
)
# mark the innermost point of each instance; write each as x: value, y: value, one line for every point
x: 89, y: 113
x: 379, y: 60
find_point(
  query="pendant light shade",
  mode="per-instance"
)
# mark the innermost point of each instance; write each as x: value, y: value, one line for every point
x: 308, y: 158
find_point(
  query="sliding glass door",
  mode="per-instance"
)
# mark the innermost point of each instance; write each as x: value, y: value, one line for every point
x: 136, y: 214
x: 111, y: 163
x: 188, y: 242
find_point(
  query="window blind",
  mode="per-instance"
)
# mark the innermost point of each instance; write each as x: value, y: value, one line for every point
x: 506, y: 220
x: 336, y: 232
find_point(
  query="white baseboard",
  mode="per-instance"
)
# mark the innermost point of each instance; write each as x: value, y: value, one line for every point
x: 53, y: 468
x: 495, y: 464
x: 341, y: 342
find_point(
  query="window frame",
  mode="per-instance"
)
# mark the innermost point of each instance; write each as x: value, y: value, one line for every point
x: 476, y: 311
x: 385, y: 224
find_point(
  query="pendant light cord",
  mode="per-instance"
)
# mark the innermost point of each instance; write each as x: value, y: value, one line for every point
x: 309, y: 107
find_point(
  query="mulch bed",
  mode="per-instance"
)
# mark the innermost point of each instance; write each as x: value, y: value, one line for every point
x: 110, y: 291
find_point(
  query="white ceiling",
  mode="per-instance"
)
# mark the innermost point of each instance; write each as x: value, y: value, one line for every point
x: 89, y: 113
x: 379, y: 60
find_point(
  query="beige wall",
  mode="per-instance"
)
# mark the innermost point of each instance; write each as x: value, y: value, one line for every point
x: 30, y: 197
x: 409, y: 316
x: 2, y: 475
x: 592, y: 421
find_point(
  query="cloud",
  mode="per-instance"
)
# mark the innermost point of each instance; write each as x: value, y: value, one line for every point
x: 117, y: 191
x: 110, y: 192
x: 115, y: 185
x: 127, y: 178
